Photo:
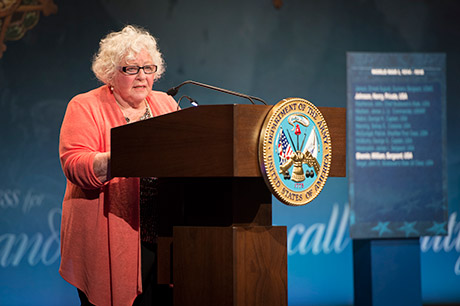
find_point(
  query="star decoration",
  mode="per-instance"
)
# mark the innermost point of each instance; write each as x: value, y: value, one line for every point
x: 382, y: 227
x: 408, y: 228
x: 352, y: 218
x: 438, y: 228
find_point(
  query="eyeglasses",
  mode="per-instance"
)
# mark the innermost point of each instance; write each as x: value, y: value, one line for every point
x: 148, y: 69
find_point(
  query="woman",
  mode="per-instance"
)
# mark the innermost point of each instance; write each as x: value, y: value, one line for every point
x: 101, y: 226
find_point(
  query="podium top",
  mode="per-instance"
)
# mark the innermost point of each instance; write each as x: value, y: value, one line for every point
x: 205, y: 141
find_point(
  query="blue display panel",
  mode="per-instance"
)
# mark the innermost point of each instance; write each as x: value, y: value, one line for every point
x: 396, y: 145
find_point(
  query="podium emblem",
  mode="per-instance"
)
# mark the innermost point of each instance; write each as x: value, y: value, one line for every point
x: 295, y: 151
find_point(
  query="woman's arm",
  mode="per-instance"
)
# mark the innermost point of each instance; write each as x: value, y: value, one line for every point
x: 81, y: 140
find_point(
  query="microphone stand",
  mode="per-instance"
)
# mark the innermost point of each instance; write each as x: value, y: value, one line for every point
x: 173, y: 91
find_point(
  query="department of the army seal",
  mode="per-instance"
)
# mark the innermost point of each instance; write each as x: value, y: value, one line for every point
x: 295, y: 151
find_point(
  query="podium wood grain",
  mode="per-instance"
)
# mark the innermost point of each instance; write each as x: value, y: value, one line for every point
x: 230, y: 266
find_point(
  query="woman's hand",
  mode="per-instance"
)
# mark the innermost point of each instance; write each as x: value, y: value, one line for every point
x: 101, y: 166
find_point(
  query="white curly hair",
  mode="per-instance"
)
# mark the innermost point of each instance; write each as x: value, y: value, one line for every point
x: 118, y: 47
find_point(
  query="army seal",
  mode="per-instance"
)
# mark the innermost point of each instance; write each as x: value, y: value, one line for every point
x: 295, y: 151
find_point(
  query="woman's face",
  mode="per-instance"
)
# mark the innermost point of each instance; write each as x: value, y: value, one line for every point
x: 134, y: 88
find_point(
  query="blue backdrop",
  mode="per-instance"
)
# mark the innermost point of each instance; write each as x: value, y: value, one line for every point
x: 248, y: 46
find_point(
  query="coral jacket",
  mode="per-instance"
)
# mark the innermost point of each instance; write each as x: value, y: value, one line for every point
x: 100, y: 245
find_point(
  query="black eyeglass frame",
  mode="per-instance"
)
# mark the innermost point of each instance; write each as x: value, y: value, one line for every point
x: 125, y: 68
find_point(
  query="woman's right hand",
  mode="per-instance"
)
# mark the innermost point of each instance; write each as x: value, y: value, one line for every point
x: 101, y: 166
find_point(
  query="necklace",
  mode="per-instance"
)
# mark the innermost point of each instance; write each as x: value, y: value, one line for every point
x: 146, y: 114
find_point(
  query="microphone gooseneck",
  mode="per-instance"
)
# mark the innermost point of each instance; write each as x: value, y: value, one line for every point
x: 191, y: 100
x: 173, y: 91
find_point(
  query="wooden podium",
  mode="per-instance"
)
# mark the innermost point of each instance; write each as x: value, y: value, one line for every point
x: 215, y: 209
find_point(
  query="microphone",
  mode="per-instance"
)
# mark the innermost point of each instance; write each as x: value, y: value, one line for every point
x: 173, y: 91
x: 191, y: 100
